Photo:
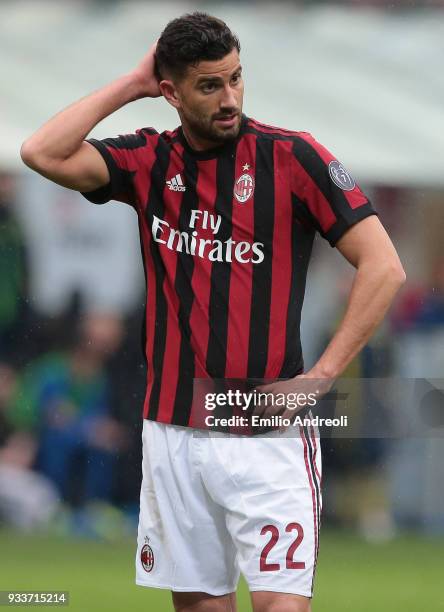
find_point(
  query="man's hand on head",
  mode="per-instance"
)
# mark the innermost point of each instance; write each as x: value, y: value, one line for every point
x: 145, y: 75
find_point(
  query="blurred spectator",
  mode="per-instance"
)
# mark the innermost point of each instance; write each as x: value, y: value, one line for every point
x: 419, y: 321
x: 27, y: 499
x: 64, y: 399
x: 354, y: 475
x: 127, y: 369
x: 421, y: 308
x: 12, y: 270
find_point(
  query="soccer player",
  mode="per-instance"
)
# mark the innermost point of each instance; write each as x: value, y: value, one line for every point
x: 228, y: 208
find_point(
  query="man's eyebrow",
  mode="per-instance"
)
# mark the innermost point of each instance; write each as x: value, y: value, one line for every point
x: 212, y: 78
x: 208, y: 79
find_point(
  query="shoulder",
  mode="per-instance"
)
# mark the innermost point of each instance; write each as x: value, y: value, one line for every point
x: 142, y: 137
x: 296, y: 144
x: 149, y: 137
x: 265, y: 130
x: 299, y: 142
x: 136, y: 147
x: 168, y: 137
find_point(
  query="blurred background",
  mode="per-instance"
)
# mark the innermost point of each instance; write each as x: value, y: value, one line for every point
x: 366, y: 79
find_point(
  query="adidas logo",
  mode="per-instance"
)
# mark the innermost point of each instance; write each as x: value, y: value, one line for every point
x: 176, y: 184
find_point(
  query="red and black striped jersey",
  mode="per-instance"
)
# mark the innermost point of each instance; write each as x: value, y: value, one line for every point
x: 226, y: 237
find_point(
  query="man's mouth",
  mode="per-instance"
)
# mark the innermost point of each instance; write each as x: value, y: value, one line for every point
x: 227, y: 120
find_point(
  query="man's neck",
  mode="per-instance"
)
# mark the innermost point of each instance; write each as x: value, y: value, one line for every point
x: 197, y: 143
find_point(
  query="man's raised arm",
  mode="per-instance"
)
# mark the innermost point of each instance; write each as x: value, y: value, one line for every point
x: 58, y: 149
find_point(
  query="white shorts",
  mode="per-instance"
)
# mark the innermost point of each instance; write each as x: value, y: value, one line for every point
x: 214, y: 505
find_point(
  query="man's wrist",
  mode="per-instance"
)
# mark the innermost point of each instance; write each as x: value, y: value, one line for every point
x: 137, y: 87
x: 322, y: 370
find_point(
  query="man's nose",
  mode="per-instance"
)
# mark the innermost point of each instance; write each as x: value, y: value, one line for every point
x: 228, y: 98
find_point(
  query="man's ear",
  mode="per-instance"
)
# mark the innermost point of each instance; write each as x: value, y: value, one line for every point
x: 170, y: 93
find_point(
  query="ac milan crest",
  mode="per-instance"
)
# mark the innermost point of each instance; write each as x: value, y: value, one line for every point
x: 147, y: 558
x: 244, y: 187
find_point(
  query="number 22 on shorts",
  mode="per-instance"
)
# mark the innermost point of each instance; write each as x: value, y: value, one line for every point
x: 290, y: 563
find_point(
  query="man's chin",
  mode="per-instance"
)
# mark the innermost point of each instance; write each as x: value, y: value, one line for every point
x: 228, y: 133
x: 225, y: 135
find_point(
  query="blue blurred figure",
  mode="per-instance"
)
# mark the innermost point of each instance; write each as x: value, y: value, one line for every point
x: 64, y: 398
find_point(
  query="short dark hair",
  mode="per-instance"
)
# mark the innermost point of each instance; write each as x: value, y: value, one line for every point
x: 190, y: 39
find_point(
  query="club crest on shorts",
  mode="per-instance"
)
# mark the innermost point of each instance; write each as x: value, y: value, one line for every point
x: 340, y: 176
x: 244, y: 188
x: 147, y: 556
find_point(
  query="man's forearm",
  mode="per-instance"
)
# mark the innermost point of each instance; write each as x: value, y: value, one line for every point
x: 372, y: 293
x: 63, y: 134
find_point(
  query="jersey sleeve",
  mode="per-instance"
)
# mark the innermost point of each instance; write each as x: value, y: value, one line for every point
x: 325, y: 195
x: 127, y: 158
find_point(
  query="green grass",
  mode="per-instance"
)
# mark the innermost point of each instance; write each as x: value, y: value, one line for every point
x: 353, y: 576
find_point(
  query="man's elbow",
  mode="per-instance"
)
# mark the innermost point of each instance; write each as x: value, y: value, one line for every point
x: 388, y: 270
x: 402, y: 275
x: 29, y: 155
x: 33, y: 157
x: 395, y: 273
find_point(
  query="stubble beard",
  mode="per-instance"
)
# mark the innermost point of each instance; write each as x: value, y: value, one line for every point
x: 203, y: 127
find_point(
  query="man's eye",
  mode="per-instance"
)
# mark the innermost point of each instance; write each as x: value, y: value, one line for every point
x: 207, y: 87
